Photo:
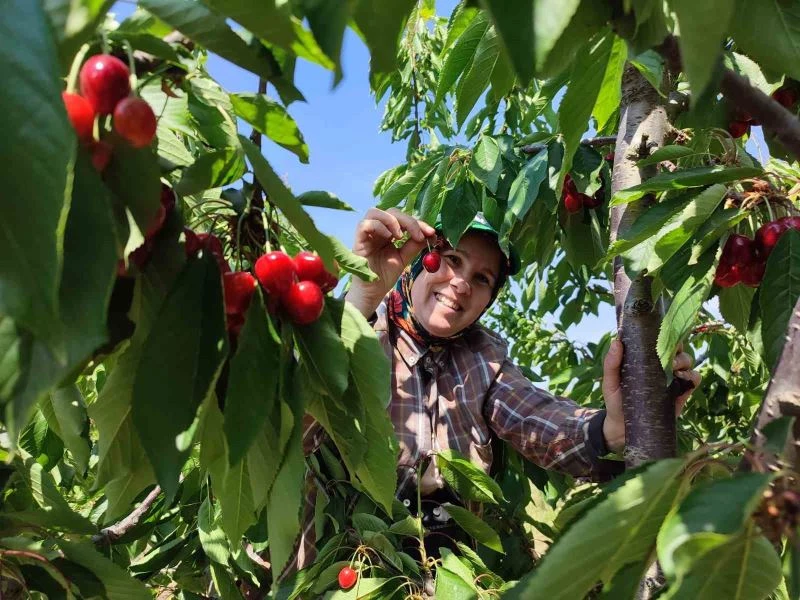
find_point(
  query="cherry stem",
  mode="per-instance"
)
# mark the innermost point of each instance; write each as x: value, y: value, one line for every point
x: 769, y: 209
x: 75, y: 69
x: 131, y: 63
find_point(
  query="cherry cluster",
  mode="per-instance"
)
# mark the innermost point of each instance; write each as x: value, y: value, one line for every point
x: 740, y: 124
x: 574, y: 200
x: 106, y: 90
x: 743, y: 259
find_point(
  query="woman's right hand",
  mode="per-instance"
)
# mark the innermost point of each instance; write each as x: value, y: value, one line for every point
x: 375, y: 237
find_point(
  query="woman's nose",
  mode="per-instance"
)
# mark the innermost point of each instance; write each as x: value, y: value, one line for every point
x: 460, y: 286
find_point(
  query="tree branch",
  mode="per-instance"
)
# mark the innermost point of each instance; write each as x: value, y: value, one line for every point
x: 594, y: 142
x: 111, y: 534
x: 773, y: 116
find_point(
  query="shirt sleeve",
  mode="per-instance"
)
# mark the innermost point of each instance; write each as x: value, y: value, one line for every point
x: 553, y: 432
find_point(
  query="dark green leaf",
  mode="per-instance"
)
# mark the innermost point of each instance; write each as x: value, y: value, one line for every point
x: 271, y: 119
x: 671, y: 153
x: 134, y: 177
x: 779, y: 292
x: 409, y: 183
x: 476, y: 527
x: 477, y: 75
x: 269, y: 20
x: 324, y: 355
x: 735, y: 303
x: 702, y: 33
x: 777, y: 434
x: 525, y: 189
x: 212, y: 538
x: 34, y: 122
x: 381, y: 25
x: 433, y: 198
x: 651, y: 65
x: 461, y: 204
x: 212, y: 170
x: 323, y: 200
x: 252, y: 381
x: 117, y: 582
x: 65, y: 411
x: 146, y: 42
x: 486, y: 164
x: 514, y: 22
x: 467, y: 480
x: 282, y: 197
x: 779, y: 51
x: 685, y: 178
x: 236, y: 501
x: 188, y: 341
x: 328, y: 21
x: 610, y: 94
x: 461, y: 56
x: 74, y: 23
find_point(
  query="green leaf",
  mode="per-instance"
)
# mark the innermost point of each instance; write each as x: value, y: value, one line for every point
x: 271, y: 119
x: 212, y: 538
x: 188, y: 340
x: 525, y: 189
x: 475, y: 526
x: 683, y: 310
x: 73, y: 23
x: 460, y: 57
x: 579, y: 100
x: 267, y: 451
x: 779, y: 51
x: 364, y: 522
x: 409, y: 183
x: 324, y: 354
x: 776, y: 434
x: 685, y: 178
x: 366, y: 588
x: 380, y: 25
x: 252, y: 385
x: 619, y: 530
x: 146, y: 42
x: 34, y: 122
x: 461, y: 204
x: 467, y: 480
x: 486, y: 164
x: 701, y: 35
x: 433, y: 198
x: 610, y: 94
x: 212, y: 170
x: 236, y: 502
x: 779, y: 292
x: 734, y: 304
x: 65, y: 411
x: 117, y: 582
x: 749, y: 69
x: 651, y: 65
x: 477, y: 75
x: 350, y: 262
x: 328, y: 21
x: 323, y: 200
x: 450, y: 586
x: 134, y: 177
x: 201, y: 24
x: 282, y: 197
x: 671, y: 153
x: 270, y: 20
x: 514, y: 22
x: 745, y: 568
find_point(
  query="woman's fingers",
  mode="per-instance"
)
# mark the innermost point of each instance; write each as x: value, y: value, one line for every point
x: 418, y: 230
x: 389, y: 221
x: 371, y: 229
x: 682, y: 362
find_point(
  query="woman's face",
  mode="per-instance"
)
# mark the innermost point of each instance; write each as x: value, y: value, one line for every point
x: 453, y: 298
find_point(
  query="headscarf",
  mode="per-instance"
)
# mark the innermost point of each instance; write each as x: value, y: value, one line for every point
x: 401, y: 308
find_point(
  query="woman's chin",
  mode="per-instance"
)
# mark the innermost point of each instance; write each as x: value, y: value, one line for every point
x: 440, y: 328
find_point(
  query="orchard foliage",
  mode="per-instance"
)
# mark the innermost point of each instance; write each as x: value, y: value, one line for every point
x: 153, y: 395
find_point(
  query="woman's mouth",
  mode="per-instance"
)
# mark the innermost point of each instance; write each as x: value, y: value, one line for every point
x: 444, y: 301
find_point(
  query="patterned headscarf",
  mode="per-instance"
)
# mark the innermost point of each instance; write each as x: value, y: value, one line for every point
x: 401, y: 308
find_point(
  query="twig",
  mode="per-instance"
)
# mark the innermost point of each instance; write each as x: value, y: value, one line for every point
x: 113, y: 532
x: 593, y: 142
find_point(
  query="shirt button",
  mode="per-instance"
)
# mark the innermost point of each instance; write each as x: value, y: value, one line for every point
x: 412, y: 361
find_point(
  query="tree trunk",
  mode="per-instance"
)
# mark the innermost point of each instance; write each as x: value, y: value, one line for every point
x: 648, y: 409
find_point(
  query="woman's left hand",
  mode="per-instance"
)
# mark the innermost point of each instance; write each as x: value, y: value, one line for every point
x: 614, y: 425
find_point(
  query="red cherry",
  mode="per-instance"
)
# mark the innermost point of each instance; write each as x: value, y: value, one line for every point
x: 275, y: 272
x: 195, y: 242
x: 303, y: 302
x: 739, y: 250
x: 105, y: 80
x: 331, y: 281
x: 767, y: 236
x: 593, y: 201
x: 792, y: 222
x: 347, y: 578
x: 569, y: 184
x: 101, y: 152
x: 610, y: 156
x: 239, y: 288
x: 432, y: 261
x: 309, y: 267
x: 81, y: 115
x: 738, y: 128
x: 753, y: 272
x: 135, y: 121
x: 573, y: 202
x: 234, y: 324
x: 726, y: 275
x: 786, y: 97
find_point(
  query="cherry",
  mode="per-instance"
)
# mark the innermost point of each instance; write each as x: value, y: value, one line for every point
x: 303, y: 302
x: 238, y: 288
x: 573, y: 202
x: 792, y: 222
x: 610, y: 156
x: 738, y: 250
x: 727, y: 275
x: 569, y: 184
x: 752, y: 273
x: 105, y: 80
x: 738, y: 128
x: 593, y: 201
x: 786, y: 97
x: 330, y: 282
x: 347, y: 578
x: 432, y: 261
x: 276, y: 273
x: 81, y: 115
x: 101, y: 152
x: 135, y: 121
x: 167, y: 204
x: 234, y: 324
x: 767, y: 236
x: 195, y: 242
x: 309, y: 267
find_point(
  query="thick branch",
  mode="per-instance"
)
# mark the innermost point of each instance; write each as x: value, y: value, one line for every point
x: 648, y: 410
x: 112, y: 533
x: 594, y: 142
x: 782, y: 399
x: 737, y: 89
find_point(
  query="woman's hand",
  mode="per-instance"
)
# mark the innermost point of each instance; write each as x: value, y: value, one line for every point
x: 614, y: 424
x: 375, y: 237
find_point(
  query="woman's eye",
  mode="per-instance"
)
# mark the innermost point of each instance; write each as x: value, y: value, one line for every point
x: 483, y: 279
x: 453, y: 259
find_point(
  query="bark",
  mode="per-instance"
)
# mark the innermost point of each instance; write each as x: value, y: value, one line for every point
x: 111, y: 534
x: 782, y: 399
x: 649, y: 411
